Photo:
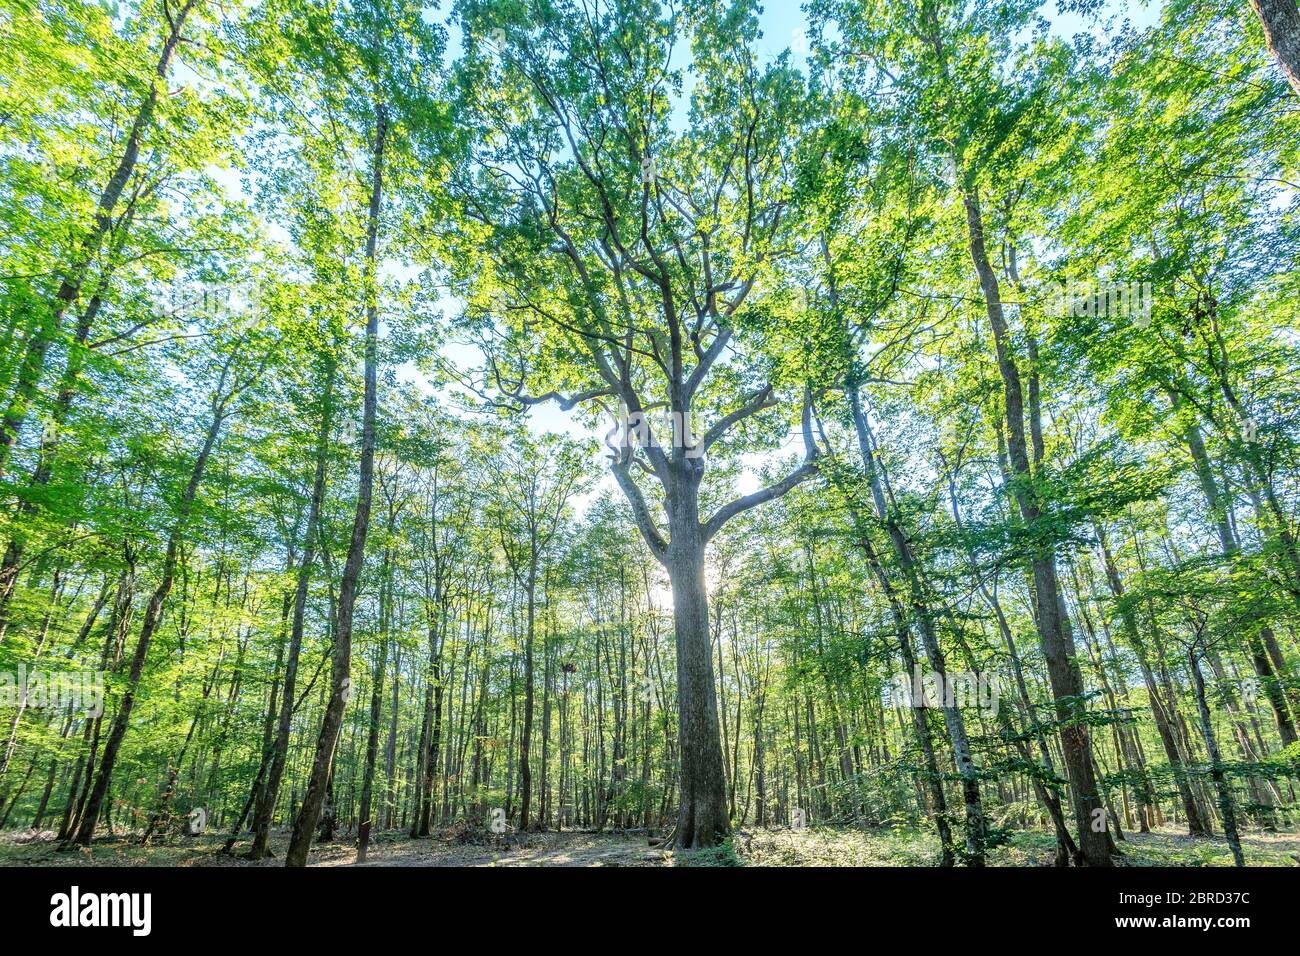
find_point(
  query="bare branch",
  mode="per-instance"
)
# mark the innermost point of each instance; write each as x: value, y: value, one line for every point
x: 771, y: 492
x: 640, y: 511
x: 754, y: 403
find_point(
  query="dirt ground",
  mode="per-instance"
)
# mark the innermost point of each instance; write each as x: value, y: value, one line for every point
x: 811, y: 847
x: 386, y: 849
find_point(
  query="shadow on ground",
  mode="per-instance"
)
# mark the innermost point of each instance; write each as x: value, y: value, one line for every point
x: 810, y: 847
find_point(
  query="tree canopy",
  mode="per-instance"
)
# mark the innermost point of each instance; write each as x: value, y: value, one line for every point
x: 534, y: 416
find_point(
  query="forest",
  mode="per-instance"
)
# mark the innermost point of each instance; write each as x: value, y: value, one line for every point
x: 649, y: 432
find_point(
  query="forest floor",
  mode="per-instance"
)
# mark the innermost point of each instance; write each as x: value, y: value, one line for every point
x: 822, y: 846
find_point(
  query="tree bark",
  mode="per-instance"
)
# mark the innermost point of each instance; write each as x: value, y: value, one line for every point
x: 372, y: 751
x: 702, y: 812
x: 976, y: 826
x: 47, y: 327
x: 526, y: 734
x: 1164, y: 719
x: 1281, y: 22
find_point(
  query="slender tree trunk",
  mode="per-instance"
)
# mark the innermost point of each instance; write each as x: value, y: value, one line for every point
x: 1053, y: 628
x: 976, y: 825
x: 526, y: 735
x: 372, y: 742
x: 269, y: 795
x: 1160, y: 709
x: 372, y: 748
x: 46, y: 327
x: 11, y: 563
x: 1270, y: 668
x: 1227, y: 809
x: 152, y: 618
x: 340, y: 686
x: 920, y: 724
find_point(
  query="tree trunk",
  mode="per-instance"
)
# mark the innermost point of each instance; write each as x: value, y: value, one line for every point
x: 372, y: 751
x: 526, y: 736
x: 152, y: 618
x: 1053, y: 628
x: 340, y: 687
x: 1222, y: 789
x: 976, y: 825
x: 702, y: 812
x: 1281, y: 22
x: 1164, y: 719
x: 269, y: 795
x: 46, y: 328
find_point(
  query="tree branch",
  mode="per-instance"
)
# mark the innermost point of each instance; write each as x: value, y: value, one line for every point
x: 771, y: 492
x: 641, y: 511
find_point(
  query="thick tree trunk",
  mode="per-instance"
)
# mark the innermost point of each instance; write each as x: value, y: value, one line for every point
x: 1281, y: 22
x: 702, y: 811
